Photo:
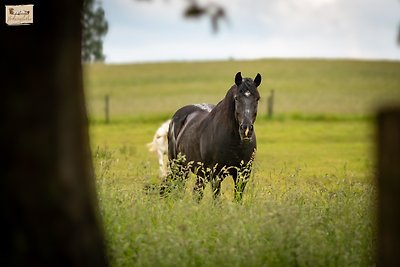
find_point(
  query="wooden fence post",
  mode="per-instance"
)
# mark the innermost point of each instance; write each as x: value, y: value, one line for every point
x: 107, y: 108
x: 388, y: 187
x: 270, y: 104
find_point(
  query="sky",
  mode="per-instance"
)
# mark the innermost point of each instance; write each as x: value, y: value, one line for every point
x: 153, y: 31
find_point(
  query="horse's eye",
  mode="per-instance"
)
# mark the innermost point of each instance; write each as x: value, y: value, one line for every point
x: 235, y: 97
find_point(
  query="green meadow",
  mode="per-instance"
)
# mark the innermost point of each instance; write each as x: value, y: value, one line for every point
x: 311, y: 200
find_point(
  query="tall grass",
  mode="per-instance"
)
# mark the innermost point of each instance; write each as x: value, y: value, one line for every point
x: 285, y: 220
x: 309, y: 202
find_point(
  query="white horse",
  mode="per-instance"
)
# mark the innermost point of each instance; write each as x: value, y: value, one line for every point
x: 160, y: 145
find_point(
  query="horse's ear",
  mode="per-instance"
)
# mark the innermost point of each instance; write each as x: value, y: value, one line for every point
x: 257, y: 79
x: 238, y: 78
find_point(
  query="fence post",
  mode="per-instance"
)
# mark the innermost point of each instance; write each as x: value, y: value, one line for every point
x: 270, y: 104
x: 107, y: 108
x: 388, y: 181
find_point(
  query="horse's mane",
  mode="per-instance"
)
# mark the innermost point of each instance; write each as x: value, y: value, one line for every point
x: 225, y: 107
x: 247, y: 85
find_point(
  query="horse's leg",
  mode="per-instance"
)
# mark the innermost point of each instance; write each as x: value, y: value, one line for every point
x: 216, y: 185
x: 176, y: 178
x: 198, y: 189
x: 165, y: 186
x: 180, y: 176
x: 241, y: 177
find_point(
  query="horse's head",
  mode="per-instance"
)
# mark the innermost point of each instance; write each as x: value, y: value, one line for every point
x: 246, y: 98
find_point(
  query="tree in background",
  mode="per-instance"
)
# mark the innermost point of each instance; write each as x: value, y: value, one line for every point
x: 95, y: 27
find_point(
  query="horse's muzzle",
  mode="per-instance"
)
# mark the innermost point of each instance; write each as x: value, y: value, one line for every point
x: 246, y: 132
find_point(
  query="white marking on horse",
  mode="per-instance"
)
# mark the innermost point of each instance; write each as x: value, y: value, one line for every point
x: 204, y: 106
x: 247, y: 93
x: 190, y: 117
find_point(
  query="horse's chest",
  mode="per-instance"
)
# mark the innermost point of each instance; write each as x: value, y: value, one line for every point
x: 228, y: 152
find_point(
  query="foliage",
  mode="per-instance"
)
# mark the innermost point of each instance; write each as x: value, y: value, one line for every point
x: 94, y: 28
x: 197, y: 9
x: 215, y: 12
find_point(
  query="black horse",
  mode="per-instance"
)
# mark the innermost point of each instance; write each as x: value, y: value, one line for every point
x: 216, y: 141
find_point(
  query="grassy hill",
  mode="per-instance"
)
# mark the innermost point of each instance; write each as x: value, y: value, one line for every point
x: 301, y: 86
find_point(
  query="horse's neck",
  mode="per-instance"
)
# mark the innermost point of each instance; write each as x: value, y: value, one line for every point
x: 224, y: 114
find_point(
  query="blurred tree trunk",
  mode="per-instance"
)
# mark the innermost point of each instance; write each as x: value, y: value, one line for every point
x: 48, y: 203
x: 388, y: 138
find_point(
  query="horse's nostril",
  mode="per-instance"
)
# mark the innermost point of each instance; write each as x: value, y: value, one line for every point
x: 246, y: 127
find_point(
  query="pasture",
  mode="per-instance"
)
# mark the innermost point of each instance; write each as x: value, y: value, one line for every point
x: 311, y: 198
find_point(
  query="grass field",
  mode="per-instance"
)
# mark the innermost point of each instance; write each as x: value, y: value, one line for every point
x: 311, y: 199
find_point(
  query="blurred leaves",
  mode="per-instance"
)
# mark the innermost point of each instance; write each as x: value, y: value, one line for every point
x: 95, y: 27
x: 215, y: 12
x: 194, y: 10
